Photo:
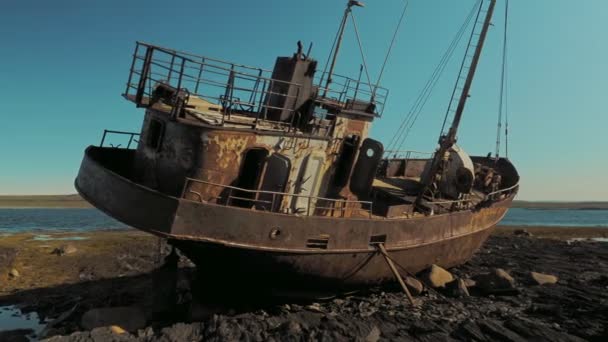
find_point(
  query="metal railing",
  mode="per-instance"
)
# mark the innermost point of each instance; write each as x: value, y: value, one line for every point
x: 498, y: 193
x: 344, y: 89
x: 405, y: 154
x: 275, y: 201
x: 232, y: 88
x: 133, y: 138
x: 469, y: 201
x: 228, y: 86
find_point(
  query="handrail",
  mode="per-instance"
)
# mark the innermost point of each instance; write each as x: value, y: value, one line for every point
x: 232, y: 87
x: 276, y: 194
x: 131, y: 135
x: 491, y: 194
x: 486, y: 197
x: 244, y: 90
x: 407, y: 153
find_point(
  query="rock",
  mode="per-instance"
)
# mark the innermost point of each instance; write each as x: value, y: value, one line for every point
x: 537, y: 332
x: 13, y: 273
x: 180, y: 332
x: 457, y: 288
x: 117, y: 330
x: 314, y: 307
x: 494, y: 331
x: 469, y: 331
x: 437, y: 277
x: 17, y: 335
x: 470, y: 282
x: 129, y: 318
x: 496, y: 281
x: 374, y: 335
x: 521, y: 232
x: 414, y: 285
x: 64, y: 250
x: 106, y: 334
x: 542, y: 279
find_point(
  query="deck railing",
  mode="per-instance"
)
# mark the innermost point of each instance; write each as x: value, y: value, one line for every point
x: 345, y: 89
x: 229, y: 86
x: 407, y: 154
x: 471, y: 202
x: 275, y: 201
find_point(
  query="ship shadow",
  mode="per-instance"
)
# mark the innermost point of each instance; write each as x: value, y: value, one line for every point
x: 163, y: 301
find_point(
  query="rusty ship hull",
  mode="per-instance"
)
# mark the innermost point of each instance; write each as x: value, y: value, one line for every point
x: 270, y: 178
x: 233, y: 245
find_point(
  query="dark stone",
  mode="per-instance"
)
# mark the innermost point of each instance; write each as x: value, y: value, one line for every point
x: 496, y: 332
x: 538, y: 332
x: 18, y: 335
x: 469, y: 331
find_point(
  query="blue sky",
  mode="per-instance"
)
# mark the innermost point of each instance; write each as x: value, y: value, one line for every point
x: 64, y: 64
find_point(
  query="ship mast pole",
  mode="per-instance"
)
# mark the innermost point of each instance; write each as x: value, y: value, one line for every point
x: 448, y: 140
x: 347, y: 11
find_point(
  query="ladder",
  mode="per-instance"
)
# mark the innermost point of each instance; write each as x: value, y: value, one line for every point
x: 460, y: 90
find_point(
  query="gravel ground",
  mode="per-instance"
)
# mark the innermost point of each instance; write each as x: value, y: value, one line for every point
x: 573, y: 309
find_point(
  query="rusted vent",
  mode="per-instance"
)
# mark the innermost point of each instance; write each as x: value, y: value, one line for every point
x: 375, y: 239
x: 319, y: 242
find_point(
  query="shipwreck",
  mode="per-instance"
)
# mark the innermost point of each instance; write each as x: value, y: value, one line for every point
x: 268, y: 177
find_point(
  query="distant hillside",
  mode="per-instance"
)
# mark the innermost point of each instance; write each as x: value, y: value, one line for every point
x: 75, y: 201
x: 43, y: 201
x: 561, y: 205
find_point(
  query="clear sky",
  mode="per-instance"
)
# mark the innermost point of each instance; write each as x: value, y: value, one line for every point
x: 64, y: 64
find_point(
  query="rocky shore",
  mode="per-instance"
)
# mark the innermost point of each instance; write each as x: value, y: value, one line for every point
x: 520, y: 286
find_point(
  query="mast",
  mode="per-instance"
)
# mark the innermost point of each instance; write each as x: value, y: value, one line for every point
x: 448, y: 140
x: 347, y: 11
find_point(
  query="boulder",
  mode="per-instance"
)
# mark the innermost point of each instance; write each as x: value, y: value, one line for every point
x: 457, y: 288
x: 64, y: 250
x: 497, y: 281
x: 414, y: 285
x: 436, y: 277
x: 470, y: 282
x: 17, y: 335
x: 374, y: 334
x: 521, y: 232
x: 128, y: 318
x: 117, y: 330
x: 542, y: 279
x: 13, y: 273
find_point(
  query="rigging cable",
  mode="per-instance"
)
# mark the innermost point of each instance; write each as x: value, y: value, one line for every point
x: 390, y: 48
x: 333, y: 46
x: 369, y: 82
x: 506, y: 87
x: 502, y: 102
x: 462, y: 68
x: 407, y: 123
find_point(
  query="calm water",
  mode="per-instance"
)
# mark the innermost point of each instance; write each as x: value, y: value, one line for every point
x: 14, y: 220
x: 556, y: 217
x: 37, y: 219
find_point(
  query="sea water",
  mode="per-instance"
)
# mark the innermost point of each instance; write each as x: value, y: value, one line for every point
x: 11, y: 318
x: 556, y: 217
x: 81, y: 220
x: 43, y: 219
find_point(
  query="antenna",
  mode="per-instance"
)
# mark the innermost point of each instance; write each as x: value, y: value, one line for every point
x: 347, y: 11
